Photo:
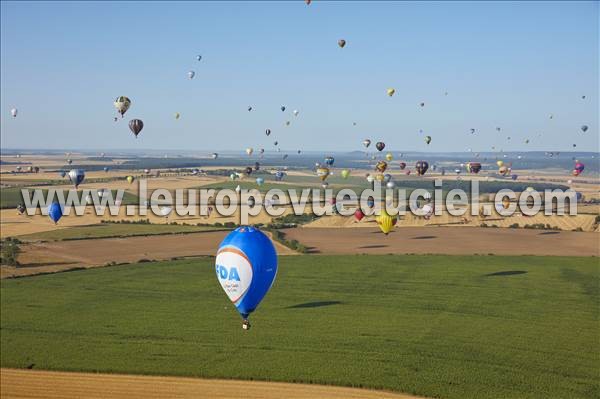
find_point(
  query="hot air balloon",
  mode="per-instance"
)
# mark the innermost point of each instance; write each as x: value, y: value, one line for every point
x: 260, y: 181
x: 256, y: 165
x: 296, y: 112
x: 584, y: 128
x: 402, y: 165
x: 359, y: 215
x: 341, y: 43
x: 214, y: 155
x: 386, y: 222
x: 323, y: 173
x: 390, y: 184
x: 177, y: 115
x: 499, y: 163
x: 381, y: 166
x: 165, y: 211
x: 21, y: 209
x: 105, y: 169
x: 389, y: 157
x: 136, y: 126
x: 473, y: 167
x: 76, y: 176
x: 329, y: 161
x: 147, y: 171
x: 579, y: 167
x: 122, y: 104
x: 191, y: 74
x: 366, y: 143
x: 345, y: 173
x: 130, y: 179
x: 307, y: 2
x: 503, y: 170
x: 268, y: 132
x: 69, y: 161
x: 55, y: 212
x: 249, y: 151
x: 248, y: 170
x: 380, y: 146
x: 421, y: 104
x: 249, y: 108
x: 279, y: 175
x: 421, y: 167
x: 370, y: 178
x: 427, y: 140
x: 391, y: 91
x: 14, y: 112
x: 199, y: 57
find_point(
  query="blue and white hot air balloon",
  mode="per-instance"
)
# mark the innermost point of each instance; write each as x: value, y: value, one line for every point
x: 76, y: 176
x: 246, y: 266
x: 55, y: 212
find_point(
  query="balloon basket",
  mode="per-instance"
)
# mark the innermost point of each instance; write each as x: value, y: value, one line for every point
x: 246, y: 324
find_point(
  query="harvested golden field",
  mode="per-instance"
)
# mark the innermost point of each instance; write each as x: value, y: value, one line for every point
x: 49, y: 257
x: 446, y: 240
x: 54, y: 385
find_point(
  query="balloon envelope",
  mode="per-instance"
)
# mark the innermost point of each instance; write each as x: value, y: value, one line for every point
x: 55, y: 212
x: 136, y: 126
x: 246, y: 266
x: 76, y: 176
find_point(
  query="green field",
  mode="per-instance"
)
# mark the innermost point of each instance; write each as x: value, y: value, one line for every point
x: 439, y: 326
x: 104, y: 230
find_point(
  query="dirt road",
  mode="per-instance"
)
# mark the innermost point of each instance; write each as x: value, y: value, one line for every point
x: 53, y: 385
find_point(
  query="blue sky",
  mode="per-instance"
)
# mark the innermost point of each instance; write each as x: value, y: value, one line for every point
x: 506, y: 64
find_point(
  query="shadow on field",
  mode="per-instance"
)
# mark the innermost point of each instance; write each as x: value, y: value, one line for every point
x: 314, y: 304
x: 506, y: 273
x: 39, y: 264
x: 373, y: 246
x: 424, y: 237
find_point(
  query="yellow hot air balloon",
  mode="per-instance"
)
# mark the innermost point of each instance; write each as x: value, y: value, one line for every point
x: 499, y: 163
x: 389, y: 156
x: 386, y: 222
x: 391, y: 91
x: 345, y: 173
x: 130, y: 179
x: 249, y: 150
x: 381, y: 166
x: 323, y: 173
x: 379, y: 177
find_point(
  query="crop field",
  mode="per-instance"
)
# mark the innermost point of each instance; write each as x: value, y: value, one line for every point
x: 438, y: 326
